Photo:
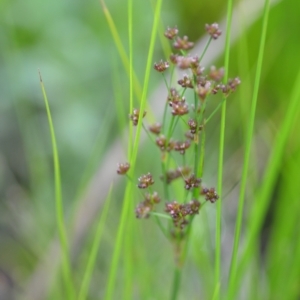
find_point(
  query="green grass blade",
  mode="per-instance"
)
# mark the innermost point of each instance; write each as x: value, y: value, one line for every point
x: 94, y: 250
x: 283, y: 257
x: 249, y: 138
x: 264, y: 195
x: 67, y: 275
x: 121, y: 50
x: 128, y: 262
x: 131, y: 71
x: 221, y: 154
x: 128, y: 191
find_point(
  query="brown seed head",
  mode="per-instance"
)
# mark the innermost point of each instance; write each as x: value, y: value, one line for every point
x: 183, y: 43
x: 186, y: 82
x: 161, y: 66
x: 233, y: 83
x: 213, y: 30
x: 174, y: 96
x: 193, y: 125
x: 181, y: 147
x: 170, y: 33
x: 203, y: 91
x: 216, y: 74
x: 143, y: 210
x: 145, y: 181
x: 123, y: 168
x: 210, y: 194
x: 184, y: 62
x: 135, y: 116
x: 192, y: 182
x: 152, y: 198
x: 179, y: 108
x: 194, y: 207
x: 155, y: 128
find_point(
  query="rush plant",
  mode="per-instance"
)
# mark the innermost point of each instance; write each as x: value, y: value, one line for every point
x: 179, y: 143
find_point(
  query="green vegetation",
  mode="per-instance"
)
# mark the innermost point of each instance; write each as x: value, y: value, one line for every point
x: 68, y: 221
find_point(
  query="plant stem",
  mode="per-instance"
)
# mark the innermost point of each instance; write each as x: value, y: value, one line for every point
x: 234, y: 262
x: 221, y: 158
x: 176, y: 283
x: 66, y: 268
x: 94, y: 250
x: 206, y: 47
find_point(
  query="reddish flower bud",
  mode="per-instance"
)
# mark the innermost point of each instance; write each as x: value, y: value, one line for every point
x: 145, y: 181
x: 161, y: 66
x: 170, y: 33
x: 183, y: 43
x: 213, y: 30
x: 123, y: 168
x: 155, y: 128
x: 135, y: 116
x: 192, y: 182
x: 210, y: 194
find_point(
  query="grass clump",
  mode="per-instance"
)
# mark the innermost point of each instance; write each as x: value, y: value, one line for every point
x: 179, y: 140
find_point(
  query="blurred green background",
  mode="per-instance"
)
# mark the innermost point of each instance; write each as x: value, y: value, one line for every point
x: 71, y: 44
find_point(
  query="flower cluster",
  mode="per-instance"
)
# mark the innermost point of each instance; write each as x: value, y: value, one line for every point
x: 210, y: 194
x: 213, y: 30
x: 144, y: 208
x: 182, y: 144
x: 179, y: 212
x: 123, y: 168
x: 192, y: 182
x: 135, y: 116
x: 145, y: 181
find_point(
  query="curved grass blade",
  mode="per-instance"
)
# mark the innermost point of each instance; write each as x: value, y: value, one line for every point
x: 66, y: 268
x: 94, y: 250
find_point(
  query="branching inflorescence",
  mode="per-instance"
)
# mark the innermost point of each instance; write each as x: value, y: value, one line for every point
x: 192, y: 117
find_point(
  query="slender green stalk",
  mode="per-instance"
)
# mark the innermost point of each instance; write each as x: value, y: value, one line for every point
x: 215, y: 110
x: 219, y: 206
x: 165, y: 45
x: 176, y: 283
x: 199, y: 152
x: 161, y: 227
x: 120, y: 48
x: 284, y: 231
x: 205, y: 49
x: 216, y: 294
x: 67, y: 274
x: 148, y: 134
x: 119, y: 99
x: 263, y: 197
x: 147, y: 77
x: 202, y: 152
x: 172, y: 126
x: 233, y: 266
x: 94, y: 250
x: 131, y: 71
x: 129, y: 244
x: 165, y: 184
x: 129, y: 187
x: 166, y: 104
x: 221, y: 153
x: 164, y: 117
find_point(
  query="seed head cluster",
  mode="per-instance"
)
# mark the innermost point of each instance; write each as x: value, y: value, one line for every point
x: 144, y: 208
x: 179, y: 212
x: 179, y: 135
x: 135, y: 116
